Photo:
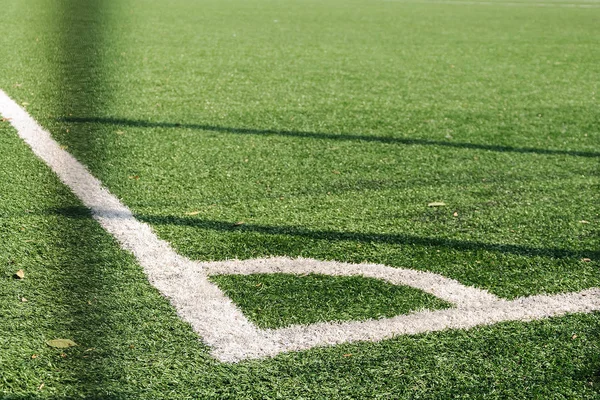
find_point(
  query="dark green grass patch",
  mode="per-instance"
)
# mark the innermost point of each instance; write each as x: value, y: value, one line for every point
x: 277, y: 300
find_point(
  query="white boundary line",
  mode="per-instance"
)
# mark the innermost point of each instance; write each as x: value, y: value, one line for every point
x: 222, y: 325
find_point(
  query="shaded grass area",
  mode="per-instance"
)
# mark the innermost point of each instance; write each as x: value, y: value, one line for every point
x: 124, y: 123
x: 277, y: 300
x: 78, y: 285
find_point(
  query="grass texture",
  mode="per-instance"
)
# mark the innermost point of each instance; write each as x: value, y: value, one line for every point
x: 326, y: 128
x: 277, y: 300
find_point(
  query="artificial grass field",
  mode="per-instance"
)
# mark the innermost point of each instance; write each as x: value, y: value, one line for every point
x: 326, y: 128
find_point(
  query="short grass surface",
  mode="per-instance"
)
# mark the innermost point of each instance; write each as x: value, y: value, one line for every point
x: 278, y: 300
x: 326, y: 127
x: 130, y: 344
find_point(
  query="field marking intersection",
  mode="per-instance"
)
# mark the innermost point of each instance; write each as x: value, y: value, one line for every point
x: 222, y: 325
x: 584, y: 5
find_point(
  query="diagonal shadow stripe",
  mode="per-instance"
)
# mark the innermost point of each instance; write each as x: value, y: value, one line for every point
x: 390, y: 238
x: 328, y: 136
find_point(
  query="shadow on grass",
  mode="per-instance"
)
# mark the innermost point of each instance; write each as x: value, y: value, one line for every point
x: 85, y: 281
x: 388, y: 238
x: 330, y: 235
x: 328, y: 136
x: 88, y: 285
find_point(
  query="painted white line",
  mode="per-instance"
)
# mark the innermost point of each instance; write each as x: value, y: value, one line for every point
x: 222, y: 325
x: 295, y: 338
x: 438, y: 285
x: 198, y: 301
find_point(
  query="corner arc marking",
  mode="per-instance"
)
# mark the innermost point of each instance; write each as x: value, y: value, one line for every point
x: 224, y: 327
x: 435, y: 284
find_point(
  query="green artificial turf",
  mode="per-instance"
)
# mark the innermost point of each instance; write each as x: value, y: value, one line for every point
x: 326, y: 127
x: 277, y: 300
x: 130, y: 343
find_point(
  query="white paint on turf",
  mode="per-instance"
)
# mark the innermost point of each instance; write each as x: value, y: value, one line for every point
x: 223, y: 326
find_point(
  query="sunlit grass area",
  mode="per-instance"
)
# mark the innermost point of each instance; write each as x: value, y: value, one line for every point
x: 276, y: 300
x: 319, y: 129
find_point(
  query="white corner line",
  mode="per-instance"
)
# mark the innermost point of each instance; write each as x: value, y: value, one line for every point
x: 223, y: 327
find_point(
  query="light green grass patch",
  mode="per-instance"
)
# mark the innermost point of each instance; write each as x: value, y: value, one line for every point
x: 277, y: 300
